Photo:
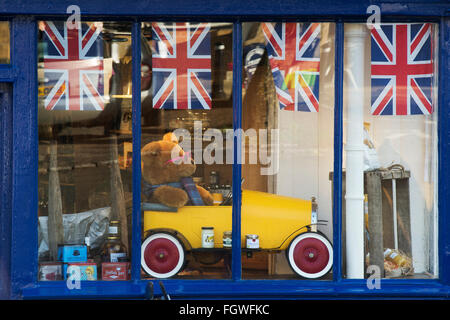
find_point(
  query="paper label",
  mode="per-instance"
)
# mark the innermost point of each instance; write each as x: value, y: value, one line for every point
x: 227, y: 242
x: 113, y: 229
x: 253, y: 243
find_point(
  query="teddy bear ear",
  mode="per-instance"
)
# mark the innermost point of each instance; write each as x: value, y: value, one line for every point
x: 151, y: 149
x: 171, y: 137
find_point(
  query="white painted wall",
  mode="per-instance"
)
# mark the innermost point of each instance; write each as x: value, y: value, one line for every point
x: 406, y: 141
x: 306, y: 142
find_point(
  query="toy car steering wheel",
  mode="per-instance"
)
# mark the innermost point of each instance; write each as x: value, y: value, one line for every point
x: 229, y: 197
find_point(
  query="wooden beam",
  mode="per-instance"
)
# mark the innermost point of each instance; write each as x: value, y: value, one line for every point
x: 403, y: 217
x: 118, y: 209
x: 375, y: 220
x: 55, y: 221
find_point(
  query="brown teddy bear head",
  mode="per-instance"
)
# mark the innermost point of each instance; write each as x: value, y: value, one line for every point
x: 165, y: 161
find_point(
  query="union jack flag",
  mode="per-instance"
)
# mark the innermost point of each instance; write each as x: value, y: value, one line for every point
x: 73, y: 66
x: 181, y: 64
x: 294, y: 56
x: 402, y: 69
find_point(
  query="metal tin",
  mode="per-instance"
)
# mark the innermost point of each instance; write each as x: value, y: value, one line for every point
x: 207, y: 237
x: 50, y: 271
x: 80, y: 271
x: 116, y: 271
x: 252, y: 241
x: 72, y: 253
x: 227, y: 239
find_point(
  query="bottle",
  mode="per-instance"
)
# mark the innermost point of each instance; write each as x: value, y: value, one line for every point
x: 252, y: 241
x: 395, y: 257
x: 87, y: 242
x: 207, y: 237
x: 227, y: 239
x: 113, y: 249
x: 214, y: 179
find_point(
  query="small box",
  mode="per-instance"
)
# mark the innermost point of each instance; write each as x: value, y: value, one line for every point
x: 116, y: 271
x: 81, y: 271
x: 72, y: 253
x: 50, y: 271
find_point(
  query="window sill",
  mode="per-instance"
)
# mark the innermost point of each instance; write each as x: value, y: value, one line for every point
x: 248, y: 289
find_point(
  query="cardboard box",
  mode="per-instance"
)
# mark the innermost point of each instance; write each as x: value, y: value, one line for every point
x: 113, y: 271
x: 86, y: 271
x: 72, y: 253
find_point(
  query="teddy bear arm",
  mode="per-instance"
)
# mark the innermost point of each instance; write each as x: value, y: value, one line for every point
x: 170, y: 196
x: 206, y: 196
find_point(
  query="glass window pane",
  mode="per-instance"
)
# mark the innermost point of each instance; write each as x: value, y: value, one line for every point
x: 4, y: 42
x: 85, y: 176
x: 390, y: 158
x: 288, y: 112
x: 186, y: 169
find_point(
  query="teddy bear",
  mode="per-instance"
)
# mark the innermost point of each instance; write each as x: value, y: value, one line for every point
x: 166, y: 173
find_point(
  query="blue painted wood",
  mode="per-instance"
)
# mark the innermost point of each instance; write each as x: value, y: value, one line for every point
x: 7, y: 73
x: 5, y: 187
x: 237, y: 176
x: 136, y: 164
x: 444, y: 152
x: 244, y: 289
x: 337, y: 168
x: 222, y: 10
x: 24, y: 261
x: 87, y: 290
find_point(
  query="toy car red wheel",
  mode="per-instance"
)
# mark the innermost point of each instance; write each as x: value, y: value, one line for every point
x: 162, y: 255
x: 310, y: 255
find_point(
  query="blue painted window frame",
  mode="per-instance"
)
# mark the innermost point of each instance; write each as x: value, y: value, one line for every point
x: 22, y: 73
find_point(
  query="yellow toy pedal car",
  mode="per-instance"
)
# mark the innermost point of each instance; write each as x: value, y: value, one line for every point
x: 282, y: 223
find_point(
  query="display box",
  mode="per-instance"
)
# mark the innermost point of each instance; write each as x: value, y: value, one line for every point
x: 72, y: 253
x: 116, y: 271
x: 81, y: 271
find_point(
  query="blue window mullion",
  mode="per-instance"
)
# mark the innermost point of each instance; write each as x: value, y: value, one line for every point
x: 443, y: 152
x: 5, y: 186
x: 338, y: 132
x: 237, y: 124
x: 136, y: 164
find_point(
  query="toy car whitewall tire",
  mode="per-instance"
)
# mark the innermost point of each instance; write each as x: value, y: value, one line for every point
x: 310, y: 255
x: 162, y: 255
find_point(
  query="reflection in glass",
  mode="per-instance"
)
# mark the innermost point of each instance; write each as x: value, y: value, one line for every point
x: 85, y: 178
x: 288, y: 150
x: 186, y: 178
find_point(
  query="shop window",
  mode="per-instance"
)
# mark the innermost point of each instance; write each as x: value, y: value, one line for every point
x: 187, y: 112
x: 85, y: 177
x: 389, y: 176
x: 287, y: 116
x: 390, y: 157
x: 4, y: 42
